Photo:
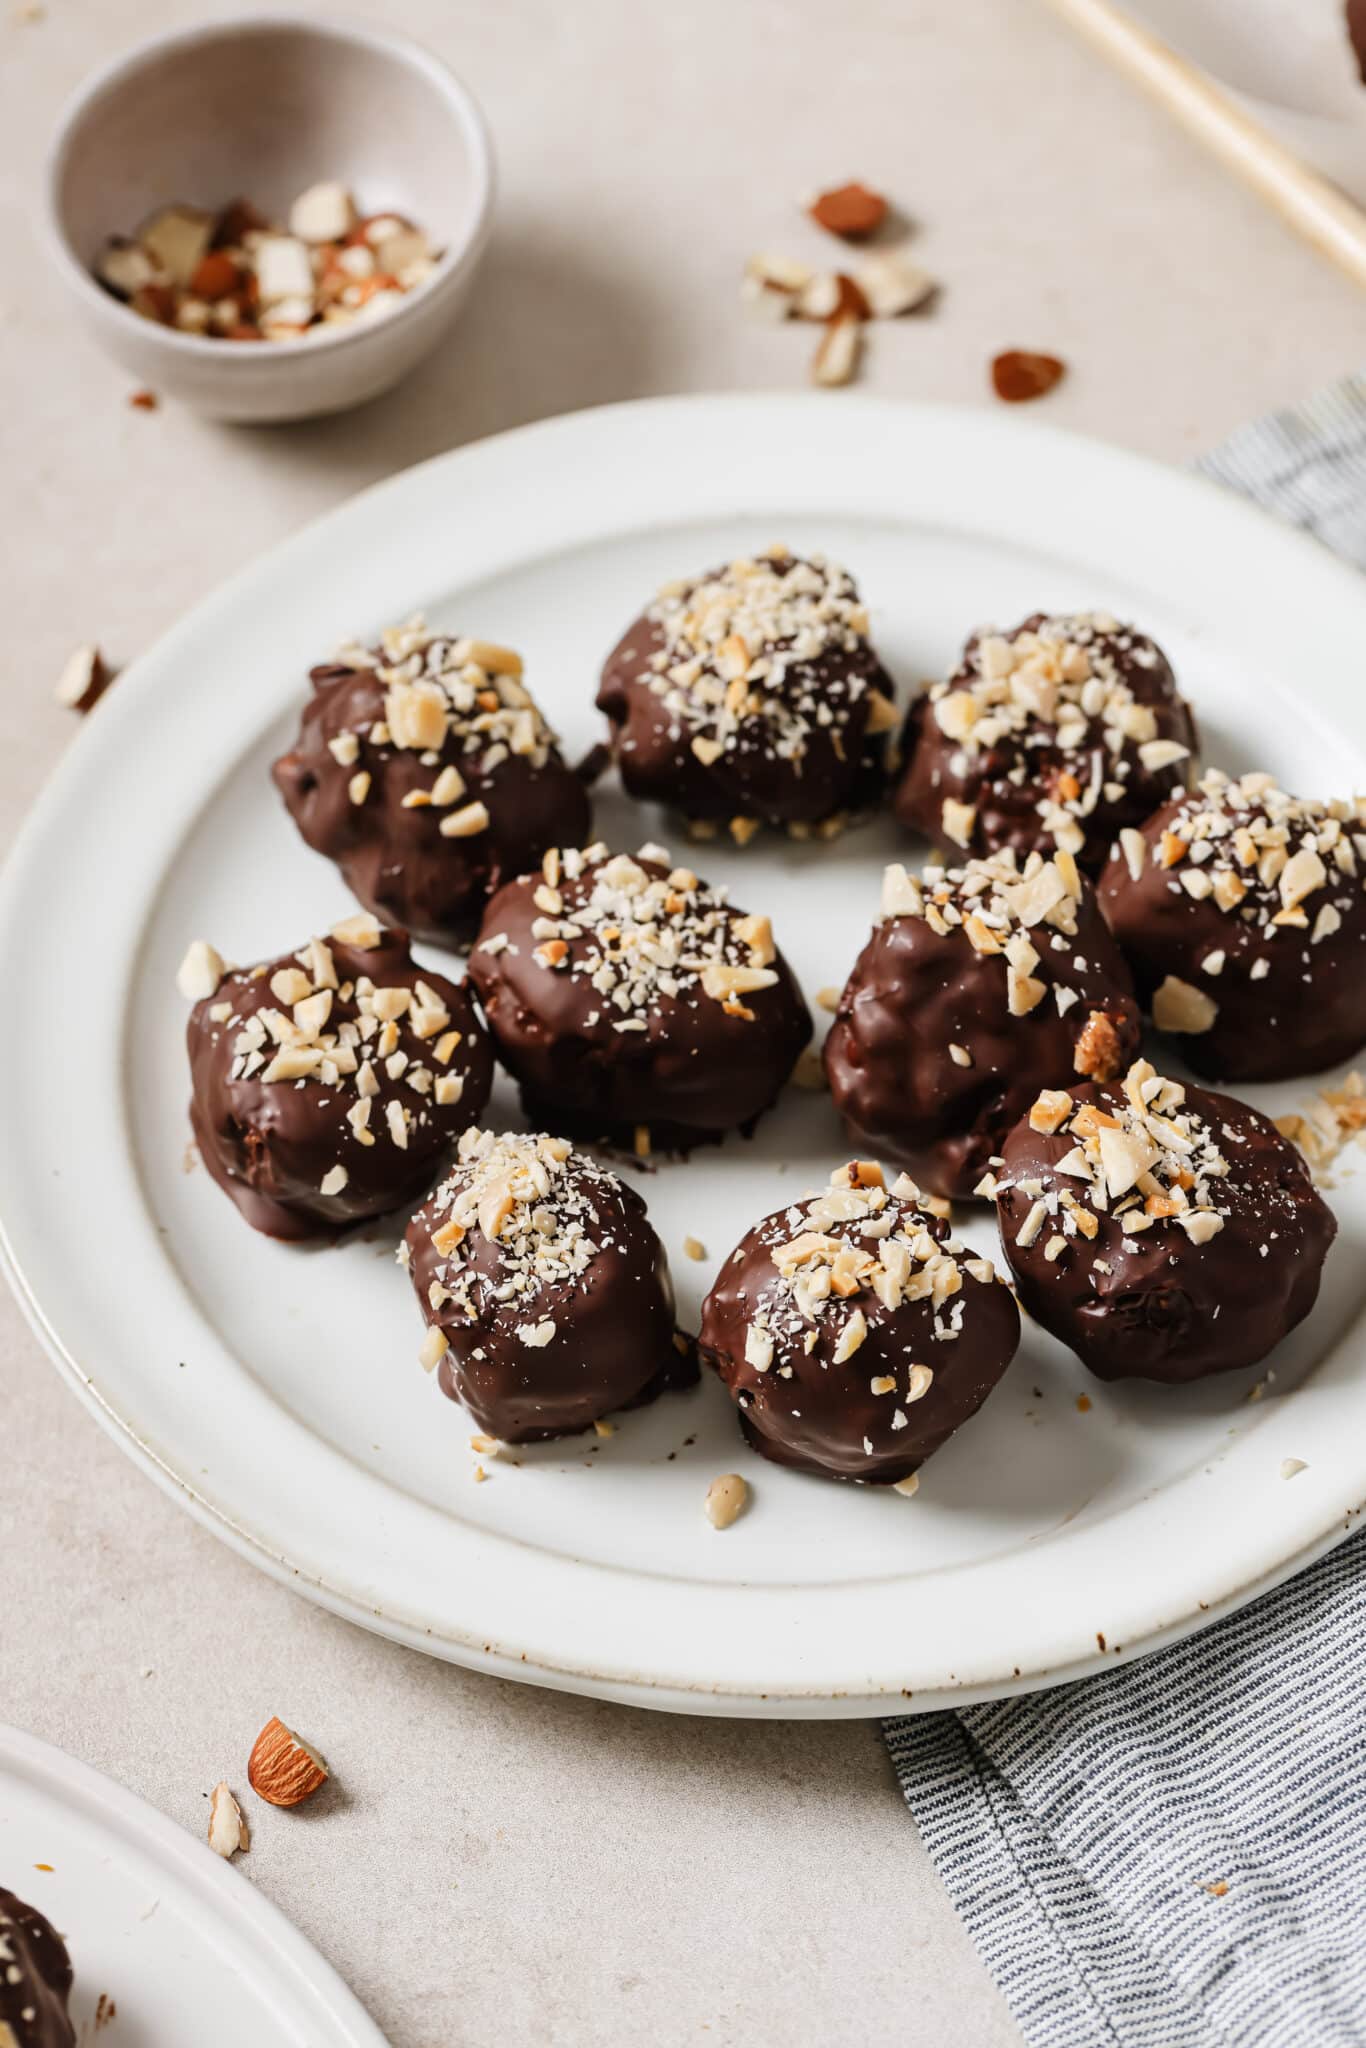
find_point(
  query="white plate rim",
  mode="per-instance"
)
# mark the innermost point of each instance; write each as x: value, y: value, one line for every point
x: 242, y: 1912
x: 586, y: 1627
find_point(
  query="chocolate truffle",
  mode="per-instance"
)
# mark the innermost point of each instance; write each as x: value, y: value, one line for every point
x: 633, y: 1003
x: 1163, y: 1232
x: 35, y: 1979
x: 1242, y: 913
x: 981, y: 985
x: 424, y: 769
x: 545, y: 1289
x: 328, y: 1085
x: 1058, y: 734
x: 854, y: 1333
x: 752, y: 696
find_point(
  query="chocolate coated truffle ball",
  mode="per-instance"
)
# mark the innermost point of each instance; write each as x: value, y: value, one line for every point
x: 1241, y: 911
x: 752, y: 696
x: 854, y: 1333
x: 35, y: 1979
x: 1162, y: 1232
x: 329, y: 1084
x: 1057, y: 734
x: 633, y: 1003
x: 981, y: 985
x: 545, y: 1289
x: 426, y: 772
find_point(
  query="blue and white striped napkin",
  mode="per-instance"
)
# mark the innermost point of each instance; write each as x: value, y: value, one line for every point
x: 1173, y: 1855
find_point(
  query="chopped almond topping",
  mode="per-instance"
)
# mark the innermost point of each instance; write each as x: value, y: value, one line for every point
x: 1179, y: 1006
x: 1097, y: 1052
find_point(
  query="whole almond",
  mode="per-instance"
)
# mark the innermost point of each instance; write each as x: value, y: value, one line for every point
x: 283, y: 1769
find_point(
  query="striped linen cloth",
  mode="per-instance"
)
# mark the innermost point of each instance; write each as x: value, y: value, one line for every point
x: 1174, y: 1854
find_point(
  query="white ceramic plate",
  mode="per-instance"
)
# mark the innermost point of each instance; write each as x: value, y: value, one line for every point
x: 183, y: 1947
x: 277, y: 1392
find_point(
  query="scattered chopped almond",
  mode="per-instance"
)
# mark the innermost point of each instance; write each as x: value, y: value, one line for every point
x: 852, y: 211
x: 83, y: 680
x: 282, y: 1768
x: 892, y: 285
x: 726, y: 1500
x: 837, y: 358
x: 1018, y: 374
x: 1328, y: 1121
x: 832, y: 295
x: 228, y: 1831
x: 772, y: 285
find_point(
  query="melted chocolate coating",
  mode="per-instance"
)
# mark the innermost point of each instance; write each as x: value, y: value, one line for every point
x: 1356, y: 34
x: 269, y: 1145
x: 1168, y: 1308
x: 1285, y: 1002
x: 394, y: 857
x: 695, y: 1071
x: 818, y: 1412
x: 1006, y: 781
x: 35, y: 1978
x: 842, y: 766
x: 915, y: 992
x: 613, y: 1342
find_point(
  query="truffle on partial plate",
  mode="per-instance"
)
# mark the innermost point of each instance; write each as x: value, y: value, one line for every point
x: 1057, y: 734
x: 981, y: 984
x: 425, y: 770
x: 1242, y: 912
x: 329, y: 1084
x: 633, y: 1003
x: 35, y: 1979
x: 1161, y: 1231
x: 855, y: 1333
x: 545, y: 1289
x: 753, y: 696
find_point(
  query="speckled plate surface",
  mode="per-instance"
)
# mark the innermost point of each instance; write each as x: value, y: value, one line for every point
x: 169, y: 1945
x: 277, y: 1393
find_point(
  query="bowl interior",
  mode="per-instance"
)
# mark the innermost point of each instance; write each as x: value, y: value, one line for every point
x: 261, y: 110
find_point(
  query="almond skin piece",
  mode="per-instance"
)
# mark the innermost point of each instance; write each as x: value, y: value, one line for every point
x: 282, y: 1769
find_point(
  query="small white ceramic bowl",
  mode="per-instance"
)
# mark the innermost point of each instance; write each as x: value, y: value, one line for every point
x: 262, y: 108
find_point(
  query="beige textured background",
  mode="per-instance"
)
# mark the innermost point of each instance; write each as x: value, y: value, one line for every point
x: 494, y: 1863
